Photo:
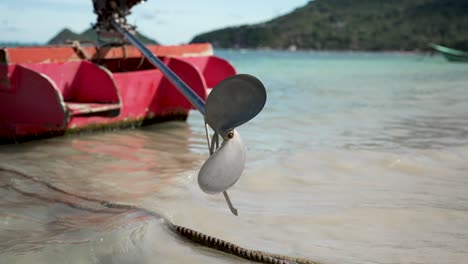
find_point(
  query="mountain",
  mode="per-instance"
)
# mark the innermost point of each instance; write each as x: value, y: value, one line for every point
x: 354, y: 25
x: 67, y: 36
x: 64, y: 36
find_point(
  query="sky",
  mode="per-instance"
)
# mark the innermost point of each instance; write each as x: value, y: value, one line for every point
x: 168, y: 21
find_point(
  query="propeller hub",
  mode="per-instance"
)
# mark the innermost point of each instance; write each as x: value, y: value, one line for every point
x: 230, y: 134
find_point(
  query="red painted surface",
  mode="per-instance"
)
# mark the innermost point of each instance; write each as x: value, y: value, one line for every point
x: 33, y: 101
x: 80, y: 81
x: 213, y: 69
x: 66, y: 53
x: 42, y: 95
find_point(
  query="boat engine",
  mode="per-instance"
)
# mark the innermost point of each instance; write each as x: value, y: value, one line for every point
x: 113, y: 10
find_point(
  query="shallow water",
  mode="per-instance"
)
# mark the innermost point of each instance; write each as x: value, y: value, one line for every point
x: 356, y: 158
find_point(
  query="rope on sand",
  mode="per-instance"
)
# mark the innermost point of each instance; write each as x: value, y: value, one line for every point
x: 187, y: 233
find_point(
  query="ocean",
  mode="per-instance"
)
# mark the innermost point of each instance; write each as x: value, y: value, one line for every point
x: 356, y: 158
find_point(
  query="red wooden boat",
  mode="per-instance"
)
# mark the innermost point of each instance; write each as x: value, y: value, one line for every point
x: 52, y: 90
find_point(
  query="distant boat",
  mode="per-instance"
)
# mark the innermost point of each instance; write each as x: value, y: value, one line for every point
x: 451, y: 54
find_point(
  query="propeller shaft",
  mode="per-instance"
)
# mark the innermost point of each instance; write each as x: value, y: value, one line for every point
x: 193, y: 97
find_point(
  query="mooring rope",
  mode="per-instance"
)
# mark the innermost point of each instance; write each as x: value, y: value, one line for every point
x: 187, y: 233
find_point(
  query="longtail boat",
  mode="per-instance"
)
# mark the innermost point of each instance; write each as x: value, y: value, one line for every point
x: 52, y: 90
x: 451, y: 54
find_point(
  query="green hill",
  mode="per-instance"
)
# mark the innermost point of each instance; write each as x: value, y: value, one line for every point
x: 355, y: 25
x: 66, y: 36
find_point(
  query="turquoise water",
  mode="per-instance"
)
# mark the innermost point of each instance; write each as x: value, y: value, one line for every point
x: 356, y: 158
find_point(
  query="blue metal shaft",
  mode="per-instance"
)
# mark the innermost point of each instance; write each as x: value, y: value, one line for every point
x: 193, y: 97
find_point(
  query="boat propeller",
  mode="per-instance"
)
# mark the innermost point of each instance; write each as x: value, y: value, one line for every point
x: 232, y: 102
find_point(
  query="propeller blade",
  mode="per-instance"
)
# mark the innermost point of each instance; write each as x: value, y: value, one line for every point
x: 234, y: 101
x: 222, y: 169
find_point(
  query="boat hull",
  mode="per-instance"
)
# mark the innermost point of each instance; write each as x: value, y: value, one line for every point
x: 52, y: 91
